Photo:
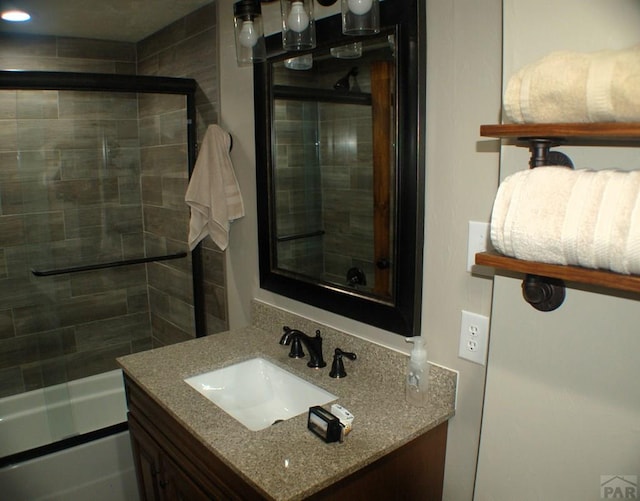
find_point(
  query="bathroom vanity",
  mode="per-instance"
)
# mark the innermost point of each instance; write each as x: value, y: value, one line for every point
x: 186, y: 447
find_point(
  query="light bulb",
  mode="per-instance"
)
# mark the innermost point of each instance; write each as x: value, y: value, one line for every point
x: 248, y: 35
x: 298, y: 19
x: 360, y: 7
x: 16, y: 16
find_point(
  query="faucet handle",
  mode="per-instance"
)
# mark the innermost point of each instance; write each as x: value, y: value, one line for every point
x: 337, y: 368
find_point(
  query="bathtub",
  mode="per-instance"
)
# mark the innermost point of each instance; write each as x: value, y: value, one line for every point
x: 44, y: 416
x: 99, y: 470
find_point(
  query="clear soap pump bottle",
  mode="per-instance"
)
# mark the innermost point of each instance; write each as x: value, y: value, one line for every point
x: 417, y: 382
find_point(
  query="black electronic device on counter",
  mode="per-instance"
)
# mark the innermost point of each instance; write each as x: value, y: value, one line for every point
x: 324, y: 424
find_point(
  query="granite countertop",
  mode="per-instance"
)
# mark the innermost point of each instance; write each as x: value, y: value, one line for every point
x: 287, y: 461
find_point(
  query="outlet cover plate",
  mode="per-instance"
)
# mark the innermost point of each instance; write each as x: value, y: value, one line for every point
x: 479, y: 241
x: 474, y: 337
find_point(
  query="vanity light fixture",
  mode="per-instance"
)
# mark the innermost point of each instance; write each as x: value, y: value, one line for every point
x: 349, y: 51
x: 299, y: 63
x: 249, y: 34
x: 359, y: 17
x: 15, y: 16
x: 298, y: 25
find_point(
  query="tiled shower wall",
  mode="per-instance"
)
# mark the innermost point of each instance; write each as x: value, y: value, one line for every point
x: 104, y: 314
x: 69, y: 196
x: 186, y: 48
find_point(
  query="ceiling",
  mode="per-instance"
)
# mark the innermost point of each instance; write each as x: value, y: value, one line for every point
x: 121, y: 20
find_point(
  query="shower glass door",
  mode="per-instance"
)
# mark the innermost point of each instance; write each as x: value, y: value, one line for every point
x: 94, y: 262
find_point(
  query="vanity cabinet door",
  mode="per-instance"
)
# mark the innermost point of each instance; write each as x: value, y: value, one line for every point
x: 178, y: 486
x: 159, y: 478
x: 146, y: 457
x: 181, y: 465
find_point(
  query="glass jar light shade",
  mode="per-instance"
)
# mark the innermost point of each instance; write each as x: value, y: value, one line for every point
x: 298, y: 25
x: 299, y: 63
x: 360, y: 17
x: 249, y: 34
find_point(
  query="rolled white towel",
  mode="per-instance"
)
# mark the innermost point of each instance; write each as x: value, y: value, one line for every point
x: 563, y: 216
x: 567, y: 86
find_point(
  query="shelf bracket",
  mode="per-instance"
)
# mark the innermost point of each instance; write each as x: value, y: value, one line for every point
x: 541, y: 154
x: 543, y: 293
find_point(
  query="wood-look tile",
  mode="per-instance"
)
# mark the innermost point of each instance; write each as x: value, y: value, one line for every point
x: 30, y: 319
x: 85, y: 48
x: 170, y: 281
x: 44, y: 227
x: 8, y: 104
x: 105, y: 280
x: 6, y: 324
x: 113, y: 331
x: 214, y: 266
x: 151, y: 190
x: 11, y: 381
x: 16, y: 45
x: 9, y: 137
x: 174, y: 188
x: 164, y: 159
x: 72, y: 155
x: 129, y: 190
x: 13, y: 230
x: 23, y: 348
x: 165, y: 333
x: 168, y: 222
x: 89, y: 363
x: 34, y: 104
x: 172, y: 128
x: 149, y: 131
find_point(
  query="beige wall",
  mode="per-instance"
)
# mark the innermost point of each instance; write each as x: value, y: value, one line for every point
x: 463, y: 92
x: 562, y: 401
x: 463, y: 68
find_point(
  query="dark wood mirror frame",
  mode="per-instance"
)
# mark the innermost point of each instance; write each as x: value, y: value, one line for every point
x: 402, y: 316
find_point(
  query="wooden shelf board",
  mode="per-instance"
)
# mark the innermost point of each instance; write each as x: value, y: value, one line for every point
x: 596, y: 132
x: 602, y: 278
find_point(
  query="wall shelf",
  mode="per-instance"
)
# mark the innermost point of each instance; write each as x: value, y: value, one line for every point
x: 577, y: 274
x: 593, y: 133
x: 539, y: 138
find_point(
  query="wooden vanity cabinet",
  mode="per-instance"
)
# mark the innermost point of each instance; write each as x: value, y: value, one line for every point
x: 171, y: 464
x: 159, y: 478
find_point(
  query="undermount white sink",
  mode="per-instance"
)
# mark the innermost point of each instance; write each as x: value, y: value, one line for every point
x: 258, y: 393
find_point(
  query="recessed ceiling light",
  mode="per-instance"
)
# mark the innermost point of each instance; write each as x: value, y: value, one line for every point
x: 15, y: 16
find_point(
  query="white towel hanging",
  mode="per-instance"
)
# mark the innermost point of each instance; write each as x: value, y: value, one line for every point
x: 213, y: 192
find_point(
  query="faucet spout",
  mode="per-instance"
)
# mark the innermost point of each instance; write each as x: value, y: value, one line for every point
x: 296, y: 339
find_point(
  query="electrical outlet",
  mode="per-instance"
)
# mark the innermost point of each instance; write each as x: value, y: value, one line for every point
x: 479, y: 241
x: 474, y: 337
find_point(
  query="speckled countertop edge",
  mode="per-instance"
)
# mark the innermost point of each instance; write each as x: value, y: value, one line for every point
x: 287, y: 462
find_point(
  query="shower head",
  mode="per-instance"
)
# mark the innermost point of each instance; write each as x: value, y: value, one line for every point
x: 343, y: 83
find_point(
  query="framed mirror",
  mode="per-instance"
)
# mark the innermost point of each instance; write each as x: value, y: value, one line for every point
x: 339, y: 145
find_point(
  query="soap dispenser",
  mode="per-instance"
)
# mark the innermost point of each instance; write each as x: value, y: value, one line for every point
x: 417, y: 382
